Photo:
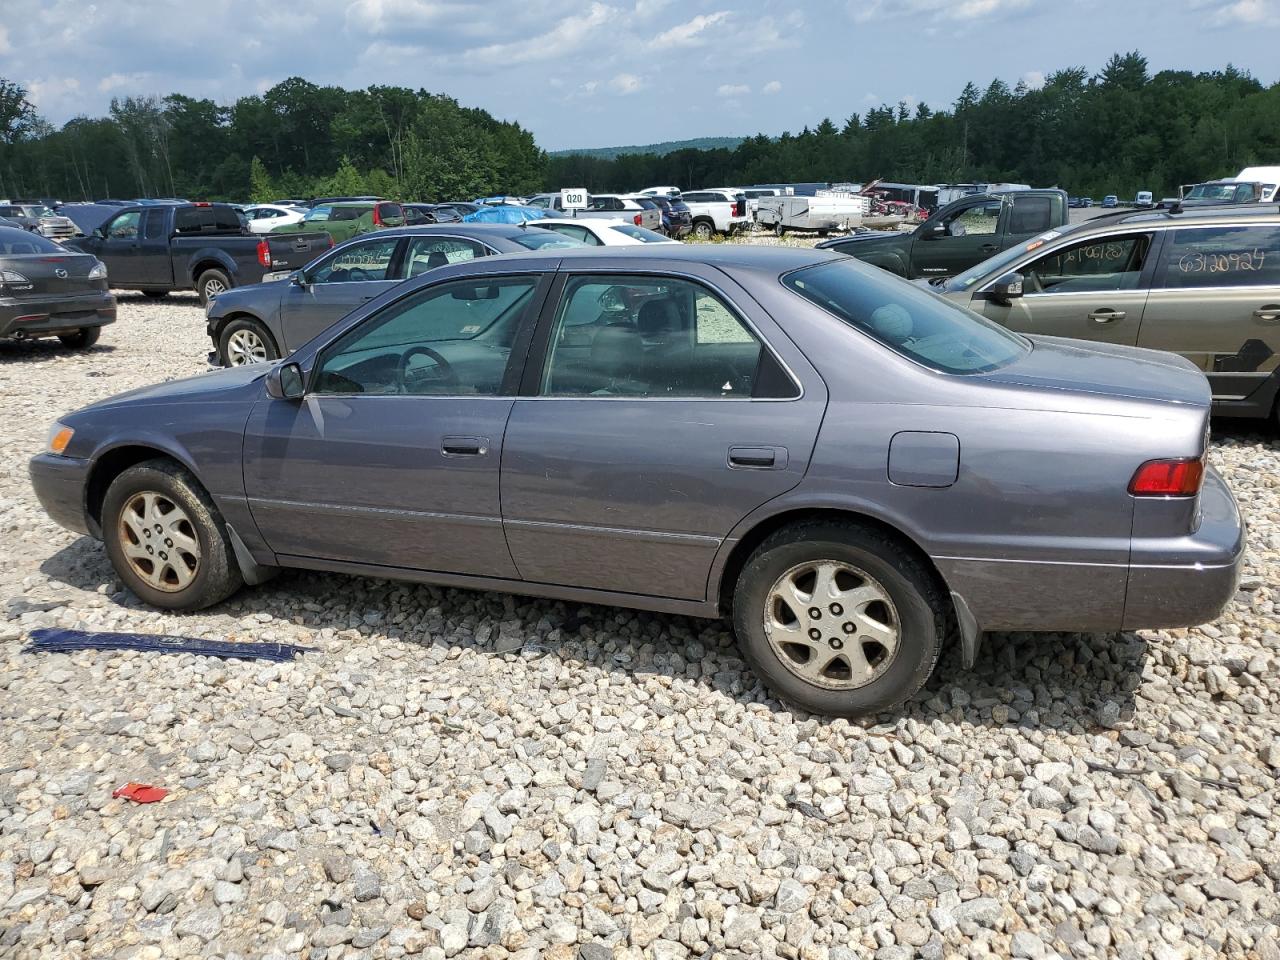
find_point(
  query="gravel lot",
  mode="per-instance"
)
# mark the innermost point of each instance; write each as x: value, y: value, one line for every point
x: 464, y: 774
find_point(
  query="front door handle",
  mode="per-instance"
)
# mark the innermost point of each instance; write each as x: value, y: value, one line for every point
x: 1268, y: 313
x: 1106, y: 315
x: 464, y: 446
x: 989, y: 248
x: 758, y: 458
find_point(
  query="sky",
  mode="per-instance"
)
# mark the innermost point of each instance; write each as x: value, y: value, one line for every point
x: 596, y: 73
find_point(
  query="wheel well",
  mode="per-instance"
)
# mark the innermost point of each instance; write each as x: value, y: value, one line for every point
x: 758, y: 534
x: 206, y: 265
x: 224, y: 322
x: 109, y: 466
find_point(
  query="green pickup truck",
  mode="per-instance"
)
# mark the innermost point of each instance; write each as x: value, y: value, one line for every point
x: 343, y: 220
x: 959, y: 235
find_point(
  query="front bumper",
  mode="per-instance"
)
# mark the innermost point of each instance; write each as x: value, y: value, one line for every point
x: 48, y: 316
x: 60, y: 484
x: 1189, y: 580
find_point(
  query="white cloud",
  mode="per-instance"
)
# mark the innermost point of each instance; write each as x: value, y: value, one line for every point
x: 1034, y: 79
x: 128, y: 82
x: 773, y: 86
x: 627, y: 83
x: 649, y: 8
x: 865, y: 11
x: 564, y: 38
x: 689, y: 33
x: 378, y: 17
x: 732, y: 90
x: 1250, y: 11
x: 4, y: 39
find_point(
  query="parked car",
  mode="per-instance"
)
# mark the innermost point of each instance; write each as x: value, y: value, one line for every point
x: 425, y: 214
x: 660, y: 192
x: 265, y: 217
x: 1219, y: 192
x: 547, y: 201
x: 47, y: 290
x: 463, y: 208
x: 677, y: 219
x: 1143, y: 200
x: 200, y: 246
x: 960, y: 234
x: 1269, y: 177
x: 1110, y: 201
x: 1080, y: 203
x: 717, y: 211
x: 322, y: 201
x: 602, y: 233
x: 640, y: 211
x: 687, y: 430
x: 268, y: 320
x: 343, y: 220
x: 39, y: 218
x: 1204, y: 283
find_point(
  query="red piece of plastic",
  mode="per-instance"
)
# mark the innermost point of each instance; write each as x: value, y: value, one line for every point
x: 141, y: 793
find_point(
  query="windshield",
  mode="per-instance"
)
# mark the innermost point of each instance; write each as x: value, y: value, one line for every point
x: 1212, y: 191
x: 910, y: 321
x: 996, y: 265
x: 38, y: 211
x: 539, y: 239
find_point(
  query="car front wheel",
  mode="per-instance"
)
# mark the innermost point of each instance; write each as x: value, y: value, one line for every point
x: 246, y: 341
x: 165, y: 538
x: 838, y: 618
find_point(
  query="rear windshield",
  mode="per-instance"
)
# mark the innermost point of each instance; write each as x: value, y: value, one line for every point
x: 639, y: 233
x: 348, y: 213
x: 538, y: 239
x: 911, y: 321
x: 15, y: 242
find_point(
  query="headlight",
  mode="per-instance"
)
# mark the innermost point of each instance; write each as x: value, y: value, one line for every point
x: 99, y: 271
x: 59, y: 436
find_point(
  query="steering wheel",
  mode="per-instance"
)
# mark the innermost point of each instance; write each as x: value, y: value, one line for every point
x: 444, y: 372
x: 358, y: 273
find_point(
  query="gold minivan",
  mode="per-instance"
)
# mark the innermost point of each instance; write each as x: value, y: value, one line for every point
x: 1202, y: 283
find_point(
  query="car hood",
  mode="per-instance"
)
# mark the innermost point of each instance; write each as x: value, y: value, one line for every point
x: 862, y: 237
x: 1106, y: 369
x: 216, y: 386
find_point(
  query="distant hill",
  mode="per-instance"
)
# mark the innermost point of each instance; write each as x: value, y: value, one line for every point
x: 660, y: 149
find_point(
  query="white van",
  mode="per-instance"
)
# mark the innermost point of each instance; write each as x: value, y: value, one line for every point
x: 1269, y: 177
x: 1143, y: 200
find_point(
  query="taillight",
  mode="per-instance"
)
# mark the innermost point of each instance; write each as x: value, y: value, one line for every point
x: 377, y: 215
x: 737, y: 208
x: 1168, y: 478
x: 637, y: 220
x: 264, y: 254
x: 329, y: 237
x: 202, y: 203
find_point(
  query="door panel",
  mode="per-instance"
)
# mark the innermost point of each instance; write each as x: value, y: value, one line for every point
x: 1114, y: 317
x: 970, y: 236
x: 371, y: 480
x: 120, y: 249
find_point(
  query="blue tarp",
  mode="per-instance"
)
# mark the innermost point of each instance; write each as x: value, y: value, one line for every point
x: 504, y: 214
x: 65, y: 641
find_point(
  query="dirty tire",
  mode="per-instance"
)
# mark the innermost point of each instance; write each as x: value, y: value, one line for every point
x: 82, y: 339
x: 217, y: 575
x: 211, y: 283
x: 922, y: 612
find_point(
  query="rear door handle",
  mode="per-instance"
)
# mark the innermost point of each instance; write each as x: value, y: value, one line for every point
x: 1269, y: 313
x: 758, y: 458
x: 464, y: 446
x: 1106, y: 315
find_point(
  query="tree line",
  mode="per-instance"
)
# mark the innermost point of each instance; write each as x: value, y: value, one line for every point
x: 1119, y: 130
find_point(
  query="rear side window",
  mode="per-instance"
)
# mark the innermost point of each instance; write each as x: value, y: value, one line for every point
x: 390, y: 211
x: 1225, y: 256
x: 347, y: 213
x: 226, y: 218
x: 910, y: 321
x: 153, y: 224
x: 192, y: 219
x: 1031, y: 214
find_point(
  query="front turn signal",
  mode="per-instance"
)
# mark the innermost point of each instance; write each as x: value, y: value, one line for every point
x: 59, y: 437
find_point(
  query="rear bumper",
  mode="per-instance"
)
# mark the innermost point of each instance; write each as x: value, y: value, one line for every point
x: 60, y: 484
x: 44, y: 317
x: 1189, y: 580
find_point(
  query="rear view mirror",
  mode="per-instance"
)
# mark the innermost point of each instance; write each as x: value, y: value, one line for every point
x: 285, y: 382
x: 489, y: 292
x: 1006, y: 289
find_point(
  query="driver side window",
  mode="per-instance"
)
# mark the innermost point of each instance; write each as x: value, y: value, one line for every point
x: 452, y: 339
x: 358, y: 263
x: 125, y: 226
x: 980, y: 219
x: 1100, y: 265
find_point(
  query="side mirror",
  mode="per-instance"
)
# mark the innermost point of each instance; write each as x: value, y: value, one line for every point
x: 933, y: 231
x: 99, y: 232
x: 1007, y: 289
x: 285, y: 382
x: 298, y: 278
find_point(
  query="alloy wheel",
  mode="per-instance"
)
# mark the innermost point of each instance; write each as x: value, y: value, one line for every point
x: 159, y: 541
x: 245, y: 346
x: 832, y: 624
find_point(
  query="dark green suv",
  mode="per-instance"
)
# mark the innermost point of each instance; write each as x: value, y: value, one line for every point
x: 960, y: 234
x: 1204, y: 283
x: 347, y: 219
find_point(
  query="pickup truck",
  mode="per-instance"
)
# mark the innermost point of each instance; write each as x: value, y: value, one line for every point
x: 717, y: 211
x: 202, y: 246
x: 960, y: 234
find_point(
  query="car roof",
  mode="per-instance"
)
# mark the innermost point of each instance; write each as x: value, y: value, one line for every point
x: 1248, y: 212
x: 773, y: 260
x: 479, y: 231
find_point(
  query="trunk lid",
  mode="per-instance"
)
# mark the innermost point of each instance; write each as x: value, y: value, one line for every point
x: 1106, y: 369
x: 51, y: 275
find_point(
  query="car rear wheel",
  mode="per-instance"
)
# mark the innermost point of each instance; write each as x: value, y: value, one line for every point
x: 82, y: 339
x: 165, y: 538
x: 838, y: 618
x: 246, y: 341
x: 210, y: 284
x: 703, y: 229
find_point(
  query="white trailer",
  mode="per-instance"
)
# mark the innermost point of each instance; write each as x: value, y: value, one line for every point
x: 820, y: 213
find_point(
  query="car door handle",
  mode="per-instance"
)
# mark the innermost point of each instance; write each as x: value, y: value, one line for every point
x: 758, y: 458
x: 989, y: 248
x: 1106, y: 315
x: 464, y: 446
x: 1269, y: 313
